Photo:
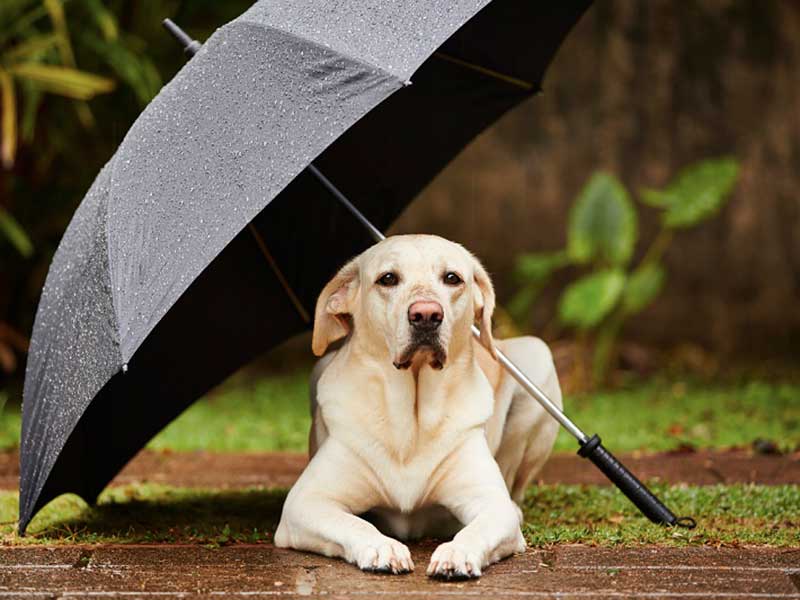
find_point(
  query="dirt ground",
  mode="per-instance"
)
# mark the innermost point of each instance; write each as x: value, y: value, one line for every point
x: 209, y: 470
x: 263, y: 571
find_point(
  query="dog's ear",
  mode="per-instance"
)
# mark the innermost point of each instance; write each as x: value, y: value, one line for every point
x: 332, y: 319
x: 484, y: 300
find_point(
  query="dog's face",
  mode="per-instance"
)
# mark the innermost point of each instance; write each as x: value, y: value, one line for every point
x: 411, y: 297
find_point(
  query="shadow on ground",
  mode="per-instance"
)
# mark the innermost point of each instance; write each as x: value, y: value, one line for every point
x: 147, y: 513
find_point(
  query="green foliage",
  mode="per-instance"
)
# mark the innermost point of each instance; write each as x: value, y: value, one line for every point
x: 591, y: 298
x: 37, y: 56
x: 696, y: 194
x: 602, y: 223
x: 642, y: 287
x: 538, y: 267
x: 12, y: 231
x: 119, y: 54
x: 601, y: 237
x: 63, y: 81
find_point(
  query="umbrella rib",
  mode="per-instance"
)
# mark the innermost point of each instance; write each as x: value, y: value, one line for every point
x: 281, y: 278
x: 520, y: 83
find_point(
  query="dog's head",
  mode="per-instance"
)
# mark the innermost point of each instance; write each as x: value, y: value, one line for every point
x: 413, y: 297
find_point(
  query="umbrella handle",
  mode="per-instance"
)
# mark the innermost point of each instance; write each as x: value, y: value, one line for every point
x: 629, y: 485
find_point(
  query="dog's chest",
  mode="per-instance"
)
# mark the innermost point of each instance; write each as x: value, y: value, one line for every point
x: 403, y: 430
x: 407, y: 485
x: 401, y: 458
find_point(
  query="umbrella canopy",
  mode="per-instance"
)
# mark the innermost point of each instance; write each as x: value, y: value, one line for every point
x: 204, y: 241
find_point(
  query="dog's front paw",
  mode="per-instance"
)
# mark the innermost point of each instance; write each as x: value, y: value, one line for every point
x: 386, y: 556
x: 454, y: 561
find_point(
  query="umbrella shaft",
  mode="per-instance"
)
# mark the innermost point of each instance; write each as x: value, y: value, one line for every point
x: 374, y: 231
x: 537, y: 393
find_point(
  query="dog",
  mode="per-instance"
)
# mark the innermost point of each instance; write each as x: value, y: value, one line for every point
x: 417, y: 430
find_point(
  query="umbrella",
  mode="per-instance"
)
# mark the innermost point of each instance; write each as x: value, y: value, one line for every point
x: 205, y: 240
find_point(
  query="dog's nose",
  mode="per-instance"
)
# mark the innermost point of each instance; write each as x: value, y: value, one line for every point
x: 425, y: 314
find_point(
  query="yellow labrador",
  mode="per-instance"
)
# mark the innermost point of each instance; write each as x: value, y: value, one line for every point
x: 416, y: 429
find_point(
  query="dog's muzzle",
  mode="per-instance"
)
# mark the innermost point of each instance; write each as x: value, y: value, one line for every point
x: 425, y: 318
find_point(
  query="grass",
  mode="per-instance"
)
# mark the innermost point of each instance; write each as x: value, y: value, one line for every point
x: 262, y: 415
x: 272, y: 414
x: 665, y: 415
x: 727, y: 515
x: 10, y: 423
x: 743, y: 514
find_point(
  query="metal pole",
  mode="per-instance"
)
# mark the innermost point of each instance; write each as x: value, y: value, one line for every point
x: 537, y: 393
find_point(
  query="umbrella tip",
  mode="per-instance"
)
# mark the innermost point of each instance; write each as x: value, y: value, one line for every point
x: 125, y: 368
x: 190, y: 46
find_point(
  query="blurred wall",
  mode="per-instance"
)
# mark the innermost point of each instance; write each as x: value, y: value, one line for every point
x: 642, y: 88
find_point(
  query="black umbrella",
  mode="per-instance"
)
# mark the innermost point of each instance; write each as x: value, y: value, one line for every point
x: 205, y: 240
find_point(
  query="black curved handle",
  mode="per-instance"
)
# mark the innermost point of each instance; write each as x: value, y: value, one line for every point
x: 629, y: 485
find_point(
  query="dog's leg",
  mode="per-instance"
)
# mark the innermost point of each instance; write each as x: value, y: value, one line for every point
x: 474, y: 491
x: 319, y: 515
x: 529, y: 432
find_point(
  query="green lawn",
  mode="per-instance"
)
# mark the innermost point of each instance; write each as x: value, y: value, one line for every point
x: 733, y: 514
x: 272, y: 414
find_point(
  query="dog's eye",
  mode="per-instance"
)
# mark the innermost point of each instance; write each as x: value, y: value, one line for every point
x: 451, y: 278
x: 388, y: 280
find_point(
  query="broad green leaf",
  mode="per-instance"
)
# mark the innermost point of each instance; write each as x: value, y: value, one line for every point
x: 602, y: 223
x: 643, y: 285
x: 64, y: 81
x: 697, y: 192
x: 589, y: 299
x: 13, y: 232
x: 536, y: 266
x: 8, y: 105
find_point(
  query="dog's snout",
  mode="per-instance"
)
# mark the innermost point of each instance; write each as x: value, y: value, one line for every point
x: 425, y: 314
